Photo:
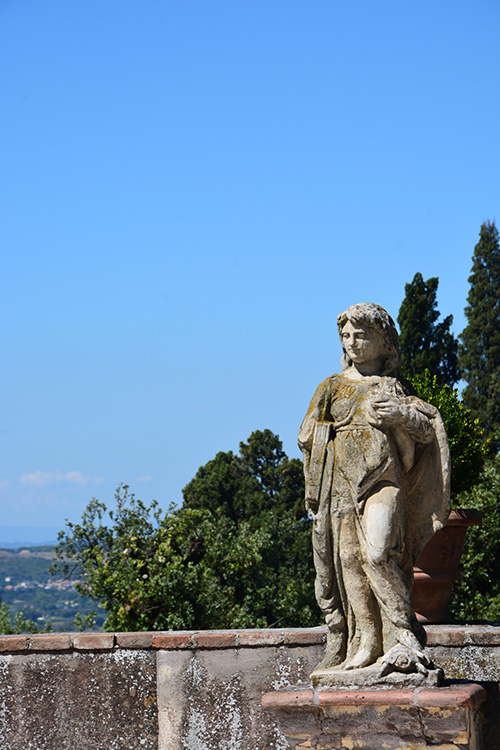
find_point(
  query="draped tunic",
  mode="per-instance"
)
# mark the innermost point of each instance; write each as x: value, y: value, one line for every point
x: 349, y: 455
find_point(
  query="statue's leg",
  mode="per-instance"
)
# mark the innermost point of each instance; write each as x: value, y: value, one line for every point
x: 365, y: 627
x: 384, y: 563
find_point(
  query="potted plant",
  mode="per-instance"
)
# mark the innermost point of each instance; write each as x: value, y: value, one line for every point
x: 437, y: 567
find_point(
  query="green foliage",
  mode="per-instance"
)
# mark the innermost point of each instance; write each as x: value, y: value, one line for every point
x: 423, y: 342
x: 260, y: 481
x: 82, y: 623
x: 479, y: 352
x: 477, y: 595
x: 19, y: 623
x: 467, y: 447
x: 237, y: 554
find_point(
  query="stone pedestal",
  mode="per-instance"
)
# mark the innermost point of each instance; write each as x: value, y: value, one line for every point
x: 445, y: 718
x: 369, y: 677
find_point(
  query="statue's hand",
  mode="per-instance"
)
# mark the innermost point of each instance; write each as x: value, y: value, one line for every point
x: 386, y: 410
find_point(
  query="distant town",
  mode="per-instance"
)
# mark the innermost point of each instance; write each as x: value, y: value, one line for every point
x: 26, y: 585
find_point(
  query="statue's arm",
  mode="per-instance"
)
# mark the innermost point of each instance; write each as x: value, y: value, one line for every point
x: 314, y: 434
x: 315, y: 413
x: 409, y: 413
x: 418, y: 419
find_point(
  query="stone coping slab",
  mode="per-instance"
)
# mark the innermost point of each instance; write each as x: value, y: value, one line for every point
x: 193, y: 639
x: 453, y: 695
x: 438, y: 635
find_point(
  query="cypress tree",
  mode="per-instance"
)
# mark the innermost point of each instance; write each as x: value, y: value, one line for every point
x: 425, y: 343
x: 479, y: 351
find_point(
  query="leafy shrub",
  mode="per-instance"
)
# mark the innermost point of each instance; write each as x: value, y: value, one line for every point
x: 474, y: 484
x: 19, y: 623
x: 468, y: 448
x: 236, y: 554
x: 477, y: 595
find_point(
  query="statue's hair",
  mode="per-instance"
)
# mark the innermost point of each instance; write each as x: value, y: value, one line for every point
x: 369, y: 315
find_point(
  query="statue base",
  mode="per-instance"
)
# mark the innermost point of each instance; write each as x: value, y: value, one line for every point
x: 445, y: 718
x: 370, y: 677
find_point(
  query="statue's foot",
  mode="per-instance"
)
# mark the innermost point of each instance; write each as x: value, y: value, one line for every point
x: 363, y: 658
x: 332, y: 659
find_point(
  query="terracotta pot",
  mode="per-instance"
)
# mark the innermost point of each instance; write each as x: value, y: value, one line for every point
x: 437, y: 567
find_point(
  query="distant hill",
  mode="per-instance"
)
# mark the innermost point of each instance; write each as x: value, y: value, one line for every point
x: 26, y: 564
x: 14, y: 537
x: 27, y: 544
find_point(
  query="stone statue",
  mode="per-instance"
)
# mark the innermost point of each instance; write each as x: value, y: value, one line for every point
x: 376, y: 464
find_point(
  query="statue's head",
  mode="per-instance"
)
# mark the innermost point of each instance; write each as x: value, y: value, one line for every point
x: 373, y: 318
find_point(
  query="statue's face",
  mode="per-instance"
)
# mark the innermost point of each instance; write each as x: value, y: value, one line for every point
x: 362, y: 345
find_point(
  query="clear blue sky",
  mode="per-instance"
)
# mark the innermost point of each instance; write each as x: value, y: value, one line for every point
x: 190, y: 192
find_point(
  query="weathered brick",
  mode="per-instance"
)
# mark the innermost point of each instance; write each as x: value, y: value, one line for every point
x: 94, y: 641
x: 215, y: 640
x: 134, y: 640
x: 447, y: 725
x: 50, y: 642
x: 486, y: 637
x: 393, y: 697
x: 451, y: 697
x: 256, y: 638
x: 172, y: 640
x: 370, y: 724
x: 449, y: 637
x: 9, y: 643
x: 443, y: 697
x: 369, y: 719
x: 288, y: 698
x: 305, y: 637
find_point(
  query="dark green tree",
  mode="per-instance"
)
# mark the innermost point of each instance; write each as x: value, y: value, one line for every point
x: 258, y: 481
x: 425, y: 343
x: 236, y: 554
x: 479, y: 352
